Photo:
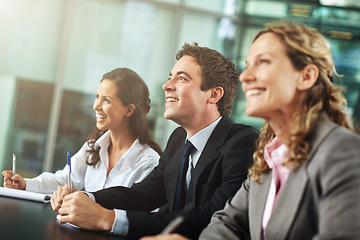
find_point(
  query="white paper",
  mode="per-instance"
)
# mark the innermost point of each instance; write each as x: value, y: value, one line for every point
x: 33, y: 196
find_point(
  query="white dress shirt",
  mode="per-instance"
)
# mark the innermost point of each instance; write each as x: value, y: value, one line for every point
x: 133, y: 167
x: 199, y: 140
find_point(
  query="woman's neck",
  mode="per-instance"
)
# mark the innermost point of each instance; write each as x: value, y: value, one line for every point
x: 120, y: 144
x: 282, y: 127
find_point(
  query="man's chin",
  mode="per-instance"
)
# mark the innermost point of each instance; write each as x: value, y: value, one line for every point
x: 171, y: 117
x: 167, y: 115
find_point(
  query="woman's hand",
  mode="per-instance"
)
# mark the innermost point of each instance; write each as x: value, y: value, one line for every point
x: 16, y: 182
x: 58, y: 197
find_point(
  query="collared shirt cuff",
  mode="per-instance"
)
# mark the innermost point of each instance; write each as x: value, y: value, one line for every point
x: 31, y: 185
x: 121, y: 224
x: 90, y: 195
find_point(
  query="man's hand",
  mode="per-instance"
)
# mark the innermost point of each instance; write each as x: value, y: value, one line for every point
x: 173, y: 236
x: 58, y: 196
x: 78, y: 209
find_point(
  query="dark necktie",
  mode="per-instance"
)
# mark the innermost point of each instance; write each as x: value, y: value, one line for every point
x: 183, y: 169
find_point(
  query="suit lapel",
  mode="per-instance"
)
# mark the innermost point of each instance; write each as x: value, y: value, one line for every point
x: 288, y: 202
x: 257, y: 201
x: 209, y: 154
x: 174, y: 171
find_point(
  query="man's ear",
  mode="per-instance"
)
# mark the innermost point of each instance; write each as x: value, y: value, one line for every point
x: 308, y: 78
x: 130, y: 110
x: 215, y: 95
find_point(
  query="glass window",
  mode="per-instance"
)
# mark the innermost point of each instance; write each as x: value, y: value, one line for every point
x: 228, y: 7
x: 135, y: 35
x: 30, y: 33
x: 170, y: 1
x: 266, y: 8
x: 215, y: 33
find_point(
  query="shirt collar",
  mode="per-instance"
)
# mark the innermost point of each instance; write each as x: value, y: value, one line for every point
x: 104, y: 140
x: 200, y: 139
x: 131, y: 155
x: 275, y: 153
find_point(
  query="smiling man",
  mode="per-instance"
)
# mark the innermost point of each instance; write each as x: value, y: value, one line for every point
x: 199, y: 94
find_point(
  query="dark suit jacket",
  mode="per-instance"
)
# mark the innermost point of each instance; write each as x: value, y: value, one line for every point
x: 320, y: 200
x: 221, y: 169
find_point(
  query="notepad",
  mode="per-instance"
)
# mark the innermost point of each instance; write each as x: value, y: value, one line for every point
x: 32, y: 196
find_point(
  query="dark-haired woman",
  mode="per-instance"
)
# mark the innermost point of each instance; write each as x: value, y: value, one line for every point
x: 120, y: 151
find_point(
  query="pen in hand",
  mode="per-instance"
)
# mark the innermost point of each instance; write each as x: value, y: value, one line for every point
x: 173, y: 225
x: 69, y: 178
x: 14, y: 166
x: 176, y: 222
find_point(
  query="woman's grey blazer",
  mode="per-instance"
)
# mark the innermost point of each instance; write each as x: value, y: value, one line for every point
x: 320, y: 200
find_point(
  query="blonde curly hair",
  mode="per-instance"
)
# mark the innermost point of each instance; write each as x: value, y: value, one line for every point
x: 304, y: 46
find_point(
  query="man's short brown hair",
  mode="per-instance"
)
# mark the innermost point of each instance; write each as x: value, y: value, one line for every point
x: 217, y: 71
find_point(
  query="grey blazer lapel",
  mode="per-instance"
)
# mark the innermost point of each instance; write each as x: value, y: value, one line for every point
x: 287, y: 204
x: 257, y: 200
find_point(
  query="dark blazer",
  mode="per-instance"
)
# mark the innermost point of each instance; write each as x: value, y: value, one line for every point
x: 221, y: 169
x: 320, y: 200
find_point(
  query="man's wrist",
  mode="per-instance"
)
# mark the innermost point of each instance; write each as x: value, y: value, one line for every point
x: 108, y: 220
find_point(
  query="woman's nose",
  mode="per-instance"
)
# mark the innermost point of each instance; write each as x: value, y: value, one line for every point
x: 96, y: 104
x: 246, y: 75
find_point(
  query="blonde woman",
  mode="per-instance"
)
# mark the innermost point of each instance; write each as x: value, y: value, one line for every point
x: 305, y: 181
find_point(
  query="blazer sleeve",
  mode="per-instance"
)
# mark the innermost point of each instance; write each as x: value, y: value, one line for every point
x: 233, y: 221
x: 339, y: 187
x: 146, y: 195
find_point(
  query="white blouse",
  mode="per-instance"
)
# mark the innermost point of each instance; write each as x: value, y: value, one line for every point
x: 133, y: 167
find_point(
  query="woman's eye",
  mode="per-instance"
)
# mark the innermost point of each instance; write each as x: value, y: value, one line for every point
x: 262, y: 61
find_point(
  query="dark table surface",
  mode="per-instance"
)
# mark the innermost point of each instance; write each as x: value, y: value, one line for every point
x: 23, y: 219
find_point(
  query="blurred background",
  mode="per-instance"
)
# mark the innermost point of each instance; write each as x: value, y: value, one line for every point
x: 53, y: 55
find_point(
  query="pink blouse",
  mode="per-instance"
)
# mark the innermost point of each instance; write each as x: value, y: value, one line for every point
x: 275, y: 154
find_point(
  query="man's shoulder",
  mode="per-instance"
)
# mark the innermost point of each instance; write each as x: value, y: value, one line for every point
x: 227, y: 129
x: 177, y: 138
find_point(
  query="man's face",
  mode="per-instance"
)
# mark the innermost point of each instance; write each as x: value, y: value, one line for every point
x: 186, y: 103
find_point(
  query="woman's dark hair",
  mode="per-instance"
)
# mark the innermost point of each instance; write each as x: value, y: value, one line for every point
x: 131, y: 89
